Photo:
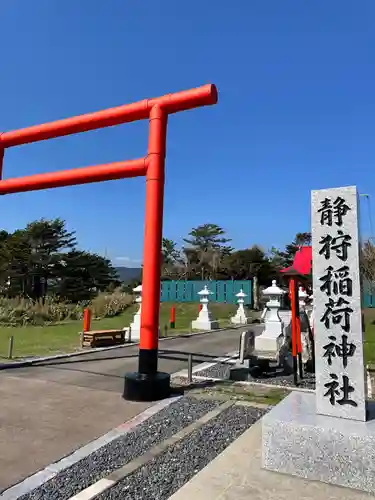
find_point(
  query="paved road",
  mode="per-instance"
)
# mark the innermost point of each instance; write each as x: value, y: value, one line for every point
x: 50, y: 409
x: 105, y: 370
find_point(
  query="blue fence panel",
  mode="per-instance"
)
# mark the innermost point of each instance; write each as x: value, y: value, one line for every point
x: 223, y: 291
x: 368, y: 297
x: 246, y: 286
x: 165, y: 291
x: 368, y: 294
x: 368, y: 300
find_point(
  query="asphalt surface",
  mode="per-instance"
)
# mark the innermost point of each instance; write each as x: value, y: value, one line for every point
x: 105, y: 370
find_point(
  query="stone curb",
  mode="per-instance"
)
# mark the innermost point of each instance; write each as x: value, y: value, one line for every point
x: 32, y: 361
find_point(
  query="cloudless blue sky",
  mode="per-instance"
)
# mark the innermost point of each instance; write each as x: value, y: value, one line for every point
x: 296, y: 111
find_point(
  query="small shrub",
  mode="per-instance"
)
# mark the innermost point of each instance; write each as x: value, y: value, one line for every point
x: 107, y: 305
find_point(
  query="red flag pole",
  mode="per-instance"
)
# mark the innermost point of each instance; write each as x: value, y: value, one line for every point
x: 292, y: 295
x: 298, y: 324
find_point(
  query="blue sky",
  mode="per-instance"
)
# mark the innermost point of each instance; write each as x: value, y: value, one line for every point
x: 296, y: 111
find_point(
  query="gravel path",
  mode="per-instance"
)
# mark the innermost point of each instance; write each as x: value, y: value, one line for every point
x: 165, y: 474
x: 220, y: 370
x: 123, y: 450
x: 275, y: 377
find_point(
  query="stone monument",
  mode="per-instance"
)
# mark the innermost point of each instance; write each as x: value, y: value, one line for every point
x: 330, y: 436
x: 204, y: 320
x: 240, y: 317
x: 246, y: 351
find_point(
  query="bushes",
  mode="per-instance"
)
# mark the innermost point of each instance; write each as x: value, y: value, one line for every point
x: 107, y: 305
x: 22, y: 312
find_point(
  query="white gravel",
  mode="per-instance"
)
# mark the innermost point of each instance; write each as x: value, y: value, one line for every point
x: 275, y: 377
x: 165, y: 474
x: 123, y: 450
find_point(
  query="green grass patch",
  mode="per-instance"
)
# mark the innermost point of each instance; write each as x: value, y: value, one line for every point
x: 268, y: 397
x: 64, y: 337
x: 237, y: 392
x: 369, y: 336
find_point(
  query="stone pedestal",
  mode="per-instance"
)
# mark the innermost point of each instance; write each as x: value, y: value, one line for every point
x: 204, y: 320
x: 269, y: 343
x: 298, y: 441
x: 240, y: 318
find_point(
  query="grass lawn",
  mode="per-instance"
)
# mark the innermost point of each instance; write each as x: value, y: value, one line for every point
x: 251, y: 394
x: 64, y: 337
x: 369, y: 344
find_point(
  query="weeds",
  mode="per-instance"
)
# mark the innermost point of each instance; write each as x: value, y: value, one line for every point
x: 22, y: 312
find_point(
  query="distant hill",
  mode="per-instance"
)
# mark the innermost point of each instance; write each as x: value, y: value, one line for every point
x: 127, y: 274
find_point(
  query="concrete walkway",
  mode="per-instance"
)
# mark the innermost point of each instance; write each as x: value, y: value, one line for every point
x: 41, y: 422
x: 236, y: 474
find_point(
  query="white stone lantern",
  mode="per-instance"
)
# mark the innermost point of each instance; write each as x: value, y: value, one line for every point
x: 274, y: 293
x: 135, y: 326
x: 203, y: 296
x: 269, y: 343
x: 240, y: 318
x: 204, y: 320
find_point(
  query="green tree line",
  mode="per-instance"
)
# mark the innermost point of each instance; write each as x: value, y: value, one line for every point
x: 208, y: 254
x: 43, y: 259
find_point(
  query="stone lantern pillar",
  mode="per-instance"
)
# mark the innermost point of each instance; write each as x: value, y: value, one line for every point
x: 136, y: 324
x: 240, y: 318
x: 270, y: 341
x: 274, y: 293
x: 204, y: 320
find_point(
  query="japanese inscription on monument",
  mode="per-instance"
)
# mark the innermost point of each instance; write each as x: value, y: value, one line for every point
x: 340, y: 377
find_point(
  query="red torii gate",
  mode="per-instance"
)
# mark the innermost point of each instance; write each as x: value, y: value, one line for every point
x: 302, y: 265
x: 146, y: 384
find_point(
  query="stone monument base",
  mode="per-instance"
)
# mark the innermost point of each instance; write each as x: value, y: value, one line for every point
x: 297, y: 441
x: 204, y: 325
